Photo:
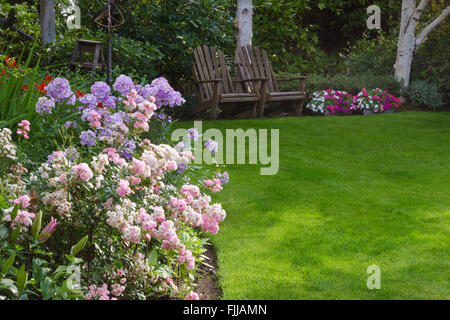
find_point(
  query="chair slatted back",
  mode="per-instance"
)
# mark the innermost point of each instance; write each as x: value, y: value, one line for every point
x: 209, y: 65
x: 255, y: 64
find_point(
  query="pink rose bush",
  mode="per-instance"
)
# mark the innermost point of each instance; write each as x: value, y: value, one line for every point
x: 131, y: 205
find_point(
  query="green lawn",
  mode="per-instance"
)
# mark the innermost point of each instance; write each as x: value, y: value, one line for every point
x: 351, y: 192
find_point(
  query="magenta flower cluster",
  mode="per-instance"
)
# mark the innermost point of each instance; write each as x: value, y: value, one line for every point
x: 335, y: 101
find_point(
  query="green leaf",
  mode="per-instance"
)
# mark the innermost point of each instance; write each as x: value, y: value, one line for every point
x: 185, y: 238
x: 79, y: 246
x: 164, y: 271
x: 8, y: 264
x: 14, y: 212
x: 14, y: 235
x: 152, y: 258
x: 36, y: 225
x: 4, y: 232
x: 9, y: 284
x: 22, y: 278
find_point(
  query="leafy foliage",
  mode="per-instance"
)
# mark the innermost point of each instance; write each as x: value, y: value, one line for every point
x: 423, y: 93
x: 350, y: 83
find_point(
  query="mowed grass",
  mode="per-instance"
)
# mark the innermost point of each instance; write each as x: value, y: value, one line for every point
x: 351, y: 192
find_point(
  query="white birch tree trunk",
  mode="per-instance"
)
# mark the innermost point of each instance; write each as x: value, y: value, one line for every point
x: 47, y: 17
x: 244, y: 24
x: 408, y: 43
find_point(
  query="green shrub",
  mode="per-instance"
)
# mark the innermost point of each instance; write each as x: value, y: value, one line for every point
x: 432, y: 60
x: 423, y: 93
x: 350, y: 83
x: 375, y: 56
x: 306, y: 35
x: 60, y: 51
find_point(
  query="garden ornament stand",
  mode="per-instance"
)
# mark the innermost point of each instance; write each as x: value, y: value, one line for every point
x: 9, y: 24
x: 107, y: 20
x: 88, y: 46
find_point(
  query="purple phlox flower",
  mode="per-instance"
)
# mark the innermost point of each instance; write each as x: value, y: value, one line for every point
x: 88, y: 138
x: 88, y: 99
x: 193, y: 134
x: 224, y: 177
x: 44, y: 105
x: 101, y: 91
x: 72, y: 124
x: 180, y: 146
x: 123, y: 84
x: 181, y: 167
x: 212, y: 145
x: 72, y: 154
x: 110, y: 102
x: 128, y: 150
x: 59, y: 90
x: 164, y: 94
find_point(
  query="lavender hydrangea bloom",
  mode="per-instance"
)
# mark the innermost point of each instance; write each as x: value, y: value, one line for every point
x: 110, y: 102
x: 44, y: 104
x: 104, y: 133
x: 129, y: 147
x: 181, y: 167
x: 212, y: 145
x: 88, y: 138
x: 224, y: 177
x: 72, y: 124
x: 59, y: 90
x: 50, y: 158
x: 72, y: 154
x: 164, y: 94
x: 72, y: 100
x: 88, y: 99
x: 101, y: 91
x: 192, y: 134
x: 123, y: 84
x: 116, y: 119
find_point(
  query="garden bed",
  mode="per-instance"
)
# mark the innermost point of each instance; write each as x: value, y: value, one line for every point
x: 207, y: 282
x: 109, y: 208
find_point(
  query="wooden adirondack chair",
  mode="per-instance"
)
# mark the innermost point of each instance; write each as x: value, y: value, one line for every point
x: 254, y: 63
x: 215, y: 87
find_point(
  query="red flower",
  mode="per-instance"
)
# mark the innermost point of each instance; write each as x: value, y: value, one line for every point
x: 10, y: 62
x: 48, y: 79
x: 41, y: 88
x: 80, y: 94
x: 24, y: 87
x: 4, y: 73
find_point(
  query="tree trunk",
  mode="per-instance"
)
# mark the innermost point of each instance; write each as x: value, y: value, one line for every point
x: 244, y: 24
x: 408, y: 42
x: 48, y: 24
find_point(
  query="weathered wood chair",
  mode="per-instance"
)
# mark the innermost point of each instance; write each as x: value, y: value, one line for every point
x: 215, y: 87
x: 254, y: 63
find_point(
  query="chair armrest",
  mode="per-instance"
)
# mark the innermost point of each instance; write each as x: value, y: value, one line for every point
x: 208, y: 81
x: 301, y: 81
x: 292, y: 79
x: 252, y: 80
